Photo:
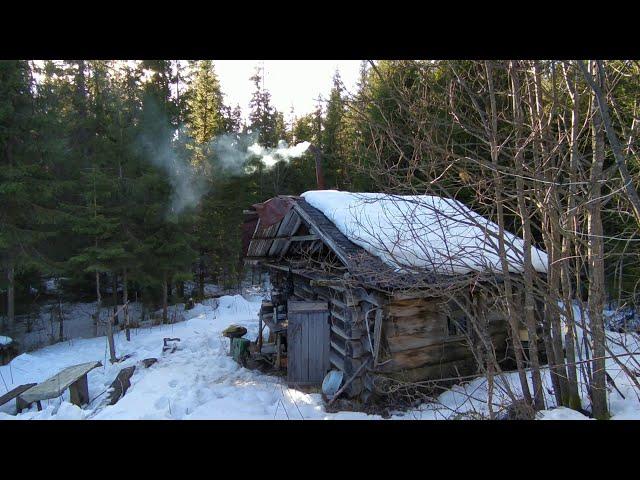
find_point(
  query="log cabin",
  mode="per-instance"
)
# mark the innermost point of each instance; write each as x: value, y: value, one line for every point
x: 381, y: 312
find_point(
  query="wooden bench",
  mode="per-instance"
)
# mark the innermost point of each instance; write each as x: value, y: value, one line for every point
x: 7, y: 397
x: 74, y: 378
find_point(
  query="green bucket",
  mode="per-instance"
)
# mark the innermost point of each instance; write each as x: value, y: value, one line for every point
x: 239, y: 349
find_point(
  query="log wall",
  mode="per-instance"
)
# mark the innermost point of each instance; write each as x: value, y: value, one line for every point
x: 415, y: 343
x: 419, y: 345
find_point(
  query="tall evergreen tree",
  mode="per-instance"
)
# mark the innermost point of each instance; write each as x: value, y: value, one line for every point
x: 333, y: 136
x: 21, y: 174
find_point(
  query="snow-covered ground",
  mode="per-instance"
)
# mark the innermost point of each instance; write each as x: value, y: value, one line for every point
x: 44, y: 328
x: 198, y: 381
x: 201, y: 381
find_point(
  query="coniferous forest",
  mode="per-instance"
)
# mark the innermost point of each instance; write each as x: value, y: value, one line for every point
x: 136, y: 173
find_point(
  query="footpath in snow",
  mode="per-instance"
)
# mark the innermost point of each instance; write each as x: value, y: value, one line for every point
x: 201, y: 381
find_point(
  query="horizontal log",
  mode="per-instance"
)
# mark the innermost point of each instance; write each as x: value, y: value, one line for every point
x: 451, y: 369
x: 326, y: 283
x: 415, y: 310
x: 296, y: 238
x: 398, y: 343
x: 411, y: 342
x: 429, y: 326
x: 433, y: 355
x: 413, y: 295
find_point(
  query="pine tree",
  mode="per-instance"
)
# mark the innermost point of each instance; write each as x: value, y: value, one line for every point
x: 333, y: 135
x: 21, y: 174
x: 262, y: 116
x: 165, y: 250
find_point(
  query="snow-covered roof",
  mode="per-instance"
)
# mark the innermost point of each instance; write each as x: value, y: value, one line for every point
x: 422, y: 231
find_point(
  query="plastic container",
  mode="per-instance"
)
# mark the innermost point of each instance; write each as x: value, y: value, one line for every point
x: 332, y: 382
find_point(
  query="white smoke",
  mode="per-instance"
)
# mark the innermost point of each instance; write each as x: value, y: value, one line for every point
x: 229, y: 152
x: 271, y: 156
x: 232, y: 152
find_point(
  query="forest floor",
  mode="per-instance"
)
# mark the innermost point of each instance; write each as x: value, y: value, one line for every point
x: 201, y: 381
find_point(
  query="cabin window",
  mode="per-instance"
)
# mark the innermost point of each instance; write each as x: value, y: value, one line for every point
x: 457, y: 326
x: 457, y: 322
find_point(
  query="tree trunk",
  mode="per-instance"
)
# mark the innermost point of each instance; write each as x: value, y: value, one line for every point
x: 508, y: 287
x: 96, y: 319
x: 542, y: 158
x: 112, y: 345
x: 11, y: 296
x: 201, y: 278
x: 571, y: 228
x: 529, y: 272
x: 114, y: 296
x: 596, y: 267
x: 165, y: 306
x: 125, y: 299
x: 61, y: 321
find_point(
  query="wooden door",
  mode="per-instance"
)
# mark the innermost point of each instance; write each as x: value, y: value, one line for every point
x: 307, y: 342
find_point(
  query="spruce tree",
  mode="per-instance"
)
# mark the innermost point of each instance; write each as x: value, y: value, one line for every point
x: 22, y: 213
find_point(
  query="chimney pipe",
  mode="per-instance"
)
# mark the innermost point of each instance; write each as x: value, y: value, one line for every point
x: 319, y: 173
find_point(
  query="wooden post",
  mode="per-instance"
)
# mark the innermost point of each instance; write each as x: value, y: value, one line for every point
x: 165, y: 288
x: 114, y: 295
x: 61, y: 320
x: 11, y: 296
x: 377, y: 333
x: 125, y: 291
x: 112, y: 346
x: 126, y: 321
x: 79, y: 391
x: 278, y: 351
x: 260, y: 332
x: 98, y: 305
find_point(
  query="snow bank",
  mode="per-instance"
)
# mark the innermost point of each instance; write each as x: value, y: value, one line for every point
x: 441, y: 235
x: 561, y: 413
x: 5, y: 340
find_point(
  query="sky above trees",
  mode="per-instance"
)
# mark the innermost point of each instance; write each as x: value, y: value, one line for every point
x: 294, y: 83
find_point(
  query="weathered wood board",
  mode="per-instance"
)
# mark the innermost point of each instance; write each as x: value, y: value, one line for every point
x: 121, y: 384
x: 54, y: 386
x: 7, y: 397
x: 307, y: 342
